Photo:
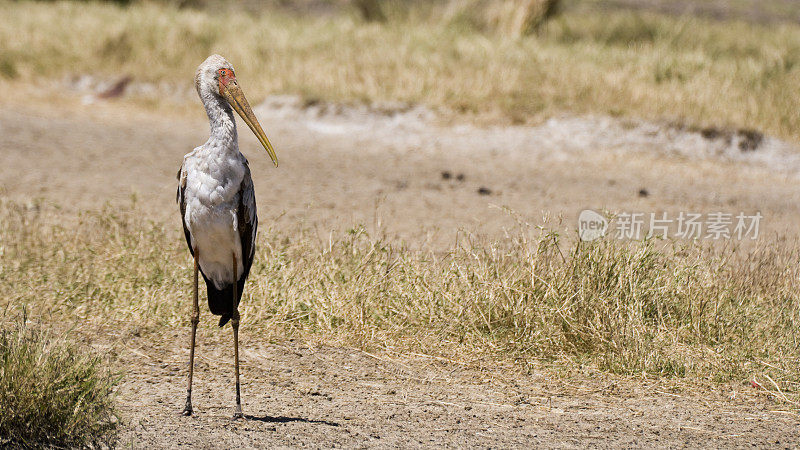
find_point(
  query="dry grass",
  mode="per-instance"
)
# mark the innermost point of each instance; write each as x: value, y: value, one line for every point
x: 53, y: 394
x: 661, y: 308
x: 762, y: 11
x: 707, y: 73
x: 511, y: 18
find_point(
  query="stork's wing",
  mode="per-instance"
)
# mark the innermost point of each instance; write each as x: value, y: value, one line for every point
x: 182, y: 205
x: 247, y: 222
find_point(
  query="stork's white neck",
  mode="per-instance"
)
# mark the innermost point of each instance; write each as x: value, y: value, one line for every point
x: 223, y: 124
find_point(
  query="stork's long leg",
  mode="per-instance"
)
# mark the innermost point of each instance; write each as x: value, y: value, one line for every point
x: 237, y: 413
x: 195, y: 319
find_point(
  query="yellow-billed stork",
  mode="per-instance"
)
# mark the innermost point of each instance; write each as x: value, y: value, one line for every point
x: 218, y: 205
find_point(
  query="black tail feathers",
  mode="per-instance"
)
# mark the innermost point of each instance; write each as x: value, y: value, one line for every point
x: 220, y: 301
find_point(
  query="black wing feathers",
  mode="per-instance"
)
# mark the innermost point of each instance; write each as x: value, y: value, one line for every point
x: 182, y: 205
x: 248, y: 223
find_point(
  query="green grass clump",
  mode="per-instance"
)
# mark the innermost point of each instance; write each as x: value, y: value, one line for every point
x: 52, y: 393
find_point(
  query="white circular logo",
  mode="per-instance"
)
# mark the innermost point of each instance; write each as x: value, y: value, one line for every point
x: 591, y: 225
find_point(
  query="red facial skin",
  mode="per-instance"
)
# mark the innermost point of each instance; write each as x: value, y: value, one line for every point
x: 225, y: 77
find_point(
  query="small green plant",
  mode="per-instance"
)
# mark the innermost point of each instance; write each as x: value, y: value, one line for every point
x: 370, y: 10
x: 7, y: 67
x: 52, y: 393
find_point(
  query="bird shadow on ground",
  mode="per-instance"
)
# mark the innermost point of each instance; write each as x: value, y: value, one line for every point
x: 284, y: 419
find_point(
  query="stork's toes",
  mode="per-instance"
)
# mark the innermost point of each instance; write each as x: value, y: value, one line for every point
x: 187, y: 410
x: 237, y: 415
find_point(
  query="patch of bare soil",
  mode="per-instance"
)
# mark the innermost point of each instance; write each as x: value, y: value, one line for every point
x: 385, y: 169
x: 297, y: 395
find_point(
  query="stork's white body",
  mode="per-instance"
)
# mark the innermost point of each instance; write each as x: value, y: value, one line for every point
x: 216, y: 189
x: 214, y: 174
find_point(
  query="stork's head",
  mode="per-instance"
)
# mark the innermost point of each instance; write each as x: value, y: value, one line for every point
x: 215, y: 79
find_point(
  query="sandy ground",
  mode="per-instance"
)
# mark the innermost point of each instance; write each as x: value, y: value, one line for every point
x: 387, y: 171
x: 340, y: 167
x: 296, y: 395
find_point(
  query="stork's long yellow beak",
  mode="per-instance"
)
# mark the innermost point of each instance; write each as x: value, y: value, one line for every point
x: 234, y: 95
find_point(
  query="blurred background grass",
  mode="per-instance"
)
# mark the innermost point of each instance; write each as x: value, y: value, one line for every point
x: 518, y: 61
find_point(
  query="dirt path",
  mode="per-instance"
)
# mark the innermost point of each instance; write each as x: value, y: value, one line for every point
x: 341, y: 171
x: 387, y: 171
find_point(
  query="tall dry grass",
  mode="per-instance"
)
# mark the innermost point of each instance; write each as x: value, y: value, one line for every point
x: 656, y: 307
x: 683, y: 69
x: 53, y: 393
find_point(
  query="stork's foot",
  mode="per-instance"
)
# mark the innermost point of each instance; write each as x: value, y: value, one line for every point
x: 237, y: 414
x: 187, y: 410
